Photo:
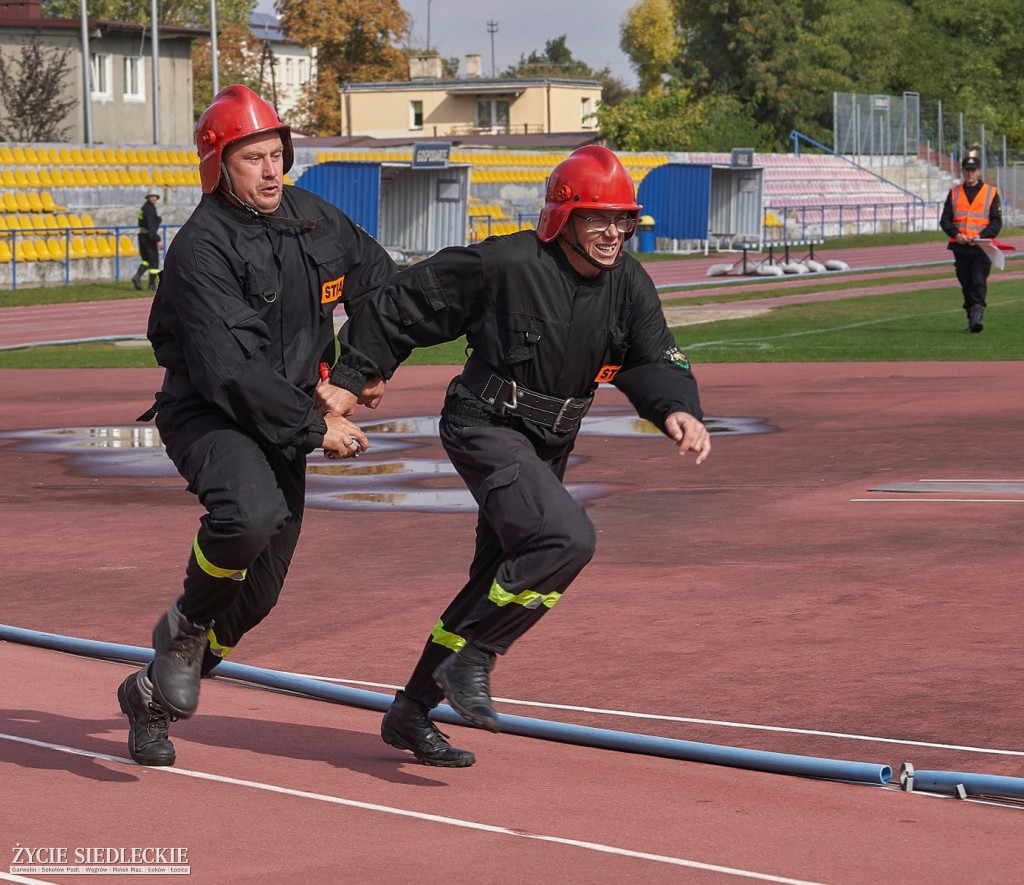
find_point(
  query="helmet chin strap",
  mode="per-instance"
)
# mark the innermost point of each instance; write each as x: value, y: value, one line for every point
x: 304, y: 224
x: 574, y: 244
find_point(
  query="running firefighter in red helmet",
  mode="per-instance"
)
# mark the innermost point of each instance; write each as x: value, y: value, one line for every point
x: 242, y: 319
x: 548, y: 316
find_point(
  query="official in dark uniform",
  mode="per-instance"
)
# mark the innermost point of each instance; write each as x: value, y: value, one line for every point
x: 972, y: 211
x: 547, y: 316
x: 241, y: 321
x: 149, y: 243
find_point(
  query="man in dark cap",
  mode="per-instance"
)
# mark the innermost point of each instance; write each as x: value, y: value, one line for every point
x: 972, y: 212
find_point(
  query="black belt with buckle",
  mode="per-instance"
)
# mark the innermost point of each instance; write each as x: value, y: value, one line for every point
x: 559, y: 415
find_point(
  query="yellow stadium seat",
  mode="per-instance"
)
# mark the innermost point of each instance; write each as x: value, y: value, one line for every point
x: 120, y: 157
x: 10, y: 203
x: 5, y: 252
x: 61, y: 220
x: 32, y: 177
x: 39, y: 221
x: 77, y: 248
x: 55, y: 248
x: 102, y: 176
x: 19, y: 155
x: 76, y: 157
x: 56, y: 177
x: 91, y: 179
x: 92, y: 248
x: 103, y: 244
x: 34, y: 202
x: 52, y: 156
x: 87, y: 221
x: 79, y: 178
x: 74, y: 220
x: 126, y: 246
x: 25, y: 250
x: 89, y: 156
x: 22, y: 199
x: 6, y: 155
x: 45, y: 178
x: 65, y: 156
x: 7, y: 177
x: 20, y: 178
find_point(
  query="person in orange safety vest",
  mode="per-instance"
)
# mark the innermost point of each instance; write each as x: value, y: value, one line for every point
x: 972, y: 211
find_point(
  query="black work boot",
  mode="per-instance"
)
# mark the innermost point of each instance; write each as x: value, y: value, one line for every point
x: 465, y: 680
x: 137, y: 279
x: 177, y: 665
x: 147, y: 722
x: 974, y: 322
x: 407, y: 726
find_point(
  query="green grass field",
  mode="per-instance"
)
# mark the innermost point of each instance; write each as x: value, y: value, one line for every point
x: 925, y: 325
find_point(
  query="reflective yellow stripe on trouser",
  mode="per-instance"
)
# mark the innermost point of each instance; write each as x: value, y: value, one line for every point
x: 527, y: 599
x: 212, y: 570
x: 440, y: 636
x: 221, y: 651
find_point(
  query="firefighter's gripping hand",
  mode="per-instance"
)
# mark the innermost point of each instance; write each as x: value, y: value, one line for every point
x: 373, y: 392
x: 331, y: 400
x: 689, y: 434
x: 343, y: 438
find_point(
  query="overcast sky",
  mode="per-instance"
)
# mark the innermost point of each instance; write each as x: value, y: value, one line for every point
x: 459, y: 27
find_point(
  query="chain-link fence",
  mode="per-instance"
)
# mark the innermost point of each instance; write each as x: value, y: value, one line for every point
x: 892, y: 133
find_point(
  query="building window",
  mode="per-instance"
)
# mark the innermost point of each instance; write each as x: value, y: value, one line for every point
x: 288, y: 81
x: 492, y: 115
x: 101, y: 75
x: 588, y: 113
x: 415, y: 114
x: 303, y: 76
x: 134, y: 84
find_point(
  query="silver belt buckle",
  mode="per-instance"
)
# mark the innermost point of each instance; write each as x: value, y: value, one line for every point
x: 513, y: 404
x: 561, y: 414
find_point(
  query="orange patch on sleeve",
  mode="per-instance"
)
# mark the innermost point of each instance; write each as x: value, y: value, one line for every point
x: 331, y: 290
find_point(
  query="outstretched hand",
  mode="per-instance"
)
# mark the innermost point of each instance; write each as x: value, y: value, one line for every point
x: 689, y: 434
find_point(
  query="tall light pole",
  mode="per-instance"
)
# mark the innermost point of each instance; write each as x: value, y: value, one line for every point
x: 215, y: 79
x: 86, y: 75
x: 155, y: 38
x: 428, y: 25
x: 492, y: 29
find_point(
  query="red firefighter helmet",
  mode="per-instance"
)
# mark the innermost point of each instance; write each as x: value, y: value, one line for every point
x: 590, y: 177
x: 235, y: 113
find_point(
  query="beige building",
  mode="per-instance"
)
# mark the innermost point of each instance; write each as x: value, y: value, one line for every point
x: 428, y: 106
x: 120, y: 74
x: 287, y: 67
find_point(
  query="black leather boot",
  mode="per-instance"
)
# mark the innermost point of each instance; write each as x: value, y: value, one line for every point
x: 147, y: 722
x: 407, y: 726
x: 177, y: 665
x: 137, y: 279
x: 465, y: 680
x: 974, y: 322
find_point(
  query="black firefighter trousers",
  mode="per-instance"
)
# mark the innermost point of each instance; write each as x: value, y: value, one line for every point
x: 254, y: 498
x: 532, y: 540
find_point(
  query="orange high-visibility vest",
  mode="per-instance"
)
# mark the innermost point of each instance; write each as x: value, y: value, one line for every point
x: 971, y: 216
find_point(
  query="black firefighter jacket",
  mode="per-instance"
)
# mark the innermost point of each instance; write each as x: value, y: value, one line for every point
x: 244, y: 312
x: 531, y: 318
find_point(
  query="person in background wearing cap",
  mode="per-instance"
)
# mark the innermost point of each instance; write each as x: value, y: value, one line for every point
x: 548, y: 315
x: 972, y: 211
x: 241, y: 322
x: 149, y: 243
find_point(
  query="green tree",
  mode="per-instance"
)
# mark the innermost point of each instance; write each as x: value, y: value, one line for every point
x: 648, y: 37
x: 557, y: 61
x: 356, y: 40
x: 169, y: 12
x: 31, y: 90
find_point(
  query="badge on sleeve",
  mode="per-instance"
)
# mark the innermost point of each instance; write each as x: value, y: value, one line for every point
x: 678, y: 359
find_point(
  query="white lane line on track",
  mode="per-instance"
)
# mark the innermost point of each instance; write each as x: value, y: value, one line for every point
x: 750, y: 726
x: 934, y: 500
x: 418, y: 815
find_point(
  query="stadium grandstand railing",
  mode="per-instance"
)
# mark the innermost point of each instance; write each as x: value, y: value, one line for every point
x: 48, y: 192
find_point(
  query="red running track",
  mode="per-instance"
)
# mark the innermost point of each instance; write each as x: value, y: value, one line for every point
x: 783, y: 596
